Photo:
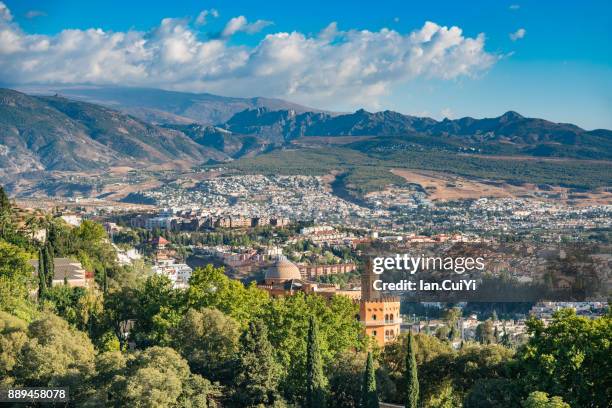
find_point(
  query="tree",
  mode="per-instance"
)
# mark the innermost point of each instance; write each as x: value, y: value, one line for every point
x: 454, y: 333
x: 288, y: 321
x: 42, y: 280
x: 154, y: 378
x: 505, y: 338
x: 538, y: 399
x: 443, y: 333
x: 485, y: 333
x: 13, y: 336
x: 446, y: 397
x: 209, y: 287
x: 345, y: 380
x: 433, y: 357
x: 5, y: 203
x: 452, y: 316
x: 411, y: 376
x: 492, y: 393
x: 369, y: 397
x: 119, y: 308
x: 55, y: 354
x: 316, y: 382
x: 158, y: 310
x: 476, y: 362
x: 15, y: 277
x: 208, y: 339
x: 257, y: 371
x: 82, y: 308
x: 6, y: 222
x: 48, y: 264
x: 570, y: 357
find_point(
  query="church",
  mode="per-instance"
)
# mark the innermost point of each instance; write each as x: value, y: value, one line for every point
x: 283, y: 278
x: 380, y: 314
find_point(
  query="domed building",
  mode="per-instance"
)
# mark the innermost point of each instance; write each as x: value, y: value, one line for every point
x: 283, y: 278
x: 282, y: 271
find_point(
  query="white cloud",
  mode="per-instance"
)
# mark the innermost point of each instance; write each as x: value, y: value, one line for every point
x: 35, y: 13
x: 514, y: 6
x: 240, y: 23
x: 5, y: 13
x: 518, y: 34
x: 353, y: 67
x: 330, y: 32
x: 447, y: 113
x: 201, y: 18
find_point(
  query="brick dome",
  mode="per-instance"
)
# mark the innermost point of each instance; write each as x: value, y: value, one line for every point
x: 283, y: 270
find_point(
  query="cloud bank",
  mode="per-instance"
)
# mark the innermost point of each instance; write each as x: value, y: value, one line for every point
x: 354, y: 66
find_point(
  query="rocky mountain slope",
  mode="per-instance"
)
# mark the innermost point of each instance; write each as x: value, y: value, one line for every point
x: 54, y: 133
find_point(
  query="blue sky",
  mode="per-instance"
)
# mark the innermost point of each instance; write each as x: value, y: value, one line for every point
x: 549, y: 59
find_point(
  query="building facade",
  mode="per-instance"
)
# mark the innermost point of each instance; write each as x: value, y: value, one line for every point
x: 380, y: 314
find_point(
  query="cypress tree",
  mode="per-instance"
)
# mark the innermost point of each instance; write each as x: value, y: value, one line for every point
x: 105, y: 282
x: 412, y: 379
x: 42, y: 281
x: 5, y: 203
x: 316, y: 381
x: 257, y: 370
x: 5, y: 214
x: 49, y: 264
x: 52, y: 235
x: 505, y: 338
x: 369, y: 397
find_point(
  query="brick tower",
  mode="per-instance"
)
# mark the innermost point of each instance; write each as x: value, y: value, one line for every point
x: 379, y: 313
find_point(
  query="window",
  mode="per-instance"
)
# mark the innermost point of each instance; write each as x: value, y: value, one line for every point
x: 373, y: 317
x: 373, y: 332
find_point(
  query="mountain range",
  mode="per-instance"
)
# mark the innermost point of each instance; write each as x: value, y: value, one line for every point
x: 509, y: 133
x: 161, y: 106
x: 57, y: 133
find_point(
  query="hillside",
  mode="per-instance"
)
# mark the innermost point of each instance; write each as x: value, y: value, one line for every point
x: 160, y: 106
x: 54, y: 133
x: 233, y: 144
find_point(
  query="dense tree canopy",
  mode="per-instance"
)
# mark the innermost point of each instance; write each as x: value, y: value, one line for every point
x: 570, y: 358
x: 15, y: 278
x: 208, y: 340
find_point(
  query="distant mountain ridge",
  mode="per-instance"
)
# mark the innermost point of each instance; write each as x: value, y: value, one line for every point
x: 509, y: 133
x: 41, y: 133
x: 161, y: 106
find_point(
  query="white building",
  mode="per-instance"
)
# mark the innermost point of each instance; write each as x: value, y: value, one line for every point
x: 127, y: 257
x: 178, y: 273
x: 72, y: 219
x: 159, y: 222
